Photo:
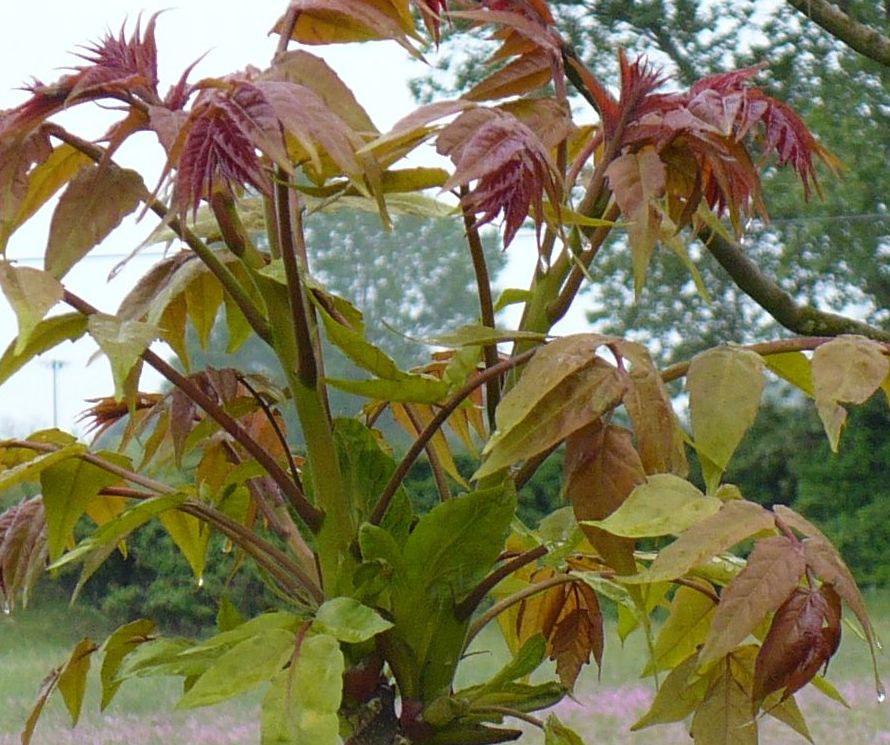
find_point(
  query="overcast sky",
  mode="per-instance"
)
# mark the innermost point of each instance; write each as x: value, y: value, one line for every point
x: 37, y: 39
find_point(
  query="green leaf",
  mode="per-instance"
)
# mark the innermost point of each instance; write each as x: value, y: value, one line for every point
x: 774, y: 569
x: 244, y: 666
x: 524, y: 663
x: 191, y: 537
x: 684, y: 630
x: 115, y: 648
x: 162, y: 657
x: 793, y: 367
x: 512, y: 296
x: 366, y: 470
x: 254, y: 627
x: 665, y: 504
x: 101, y: 544
x: 302, y: 704
x: 46, y: 335
x: 478, y: 335
x: 30, y: 469
x: 349, y: 621
x: 72, y: 682
x: 556, y: 733
x: 31, y: 293
x: 123, y: 342
x: 564, y: 387
x: 68, y: 488
x: 726, y: 716
x: 449, y: 552
x: 45, y: 179
x: 848, y: 369
x: 203, y: 298
x: 725, y: 385
x: 677, y: 697
x: 416, y: 389
x: 91, y: 207
x: 736, y: 521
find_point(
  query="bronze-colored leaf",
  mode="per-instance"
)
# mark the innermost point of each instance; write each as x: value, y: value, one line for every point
x: 804, y: 634
x: 601, y: 469
x: 565, y: 387
x: 774, y: 569
x: 92, y: 206
x: 648, y: 403
x: 578, y: 634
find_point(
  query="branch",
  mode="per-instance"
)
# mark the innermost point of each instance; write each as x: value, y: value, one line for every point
x: 465, y: 607
x: 864, y: 39
x: 434, y: 424
x: 517, y: 597
x: 306, y: 510
x: 486, y: 307
x: 800, y: 344
x: 765, y: 291
x: 267, y: 555
x: 435, y: 463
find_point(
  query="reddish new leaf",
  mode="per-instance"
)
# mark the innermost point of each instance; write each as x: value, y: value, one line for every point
x: 23, y: 550
x: 524, y: 74
x: 512, y: 171
x: 431, y: 11
x: 118, y: 64
x: 118, y: 68
x: 219, y: 143
x: 804, y: 634
x: 568, y: 616
x: 638, y: 180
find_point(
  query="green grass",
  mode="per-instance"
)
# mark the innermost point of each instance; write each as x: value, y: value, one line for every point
x: 35, y: 640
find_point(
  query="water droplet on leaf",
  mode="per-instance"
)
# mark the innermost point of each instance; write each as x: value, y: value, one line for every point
x: 6, y: 608
x: 201, y: 581
x: 882, y: 695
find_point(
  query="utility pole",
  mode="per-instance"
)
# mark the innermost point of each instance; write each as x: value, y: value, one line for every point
x: 55, y: 366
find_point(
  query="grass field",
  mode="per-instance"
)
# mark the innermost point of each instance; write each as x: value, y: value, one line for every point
x: 35, y: 640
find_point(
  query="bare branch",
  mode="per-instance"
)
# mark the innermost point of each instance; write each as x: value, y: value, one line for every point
x: 765, y: 291
x: 860, y: 37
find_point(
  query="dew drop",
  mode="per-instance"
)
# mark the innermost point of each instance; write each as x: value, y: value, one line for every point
x: 6, y: 608
x: 201, y: 581
x: 882, y: 695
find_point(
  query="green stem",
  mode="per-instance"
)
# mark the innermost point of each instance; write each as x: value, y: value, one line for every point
x: 337, y: 530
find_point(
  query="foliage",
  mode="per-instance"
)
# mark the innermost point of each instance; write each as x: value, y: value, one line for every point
x: 378, y: 603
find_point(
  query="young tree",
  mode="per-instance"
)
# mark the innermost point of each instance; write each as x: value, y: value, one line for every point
x: 379, y: 606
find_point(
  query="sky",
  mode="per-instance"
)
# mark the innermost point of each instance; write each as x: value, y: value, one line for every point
x: 38, y: 40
